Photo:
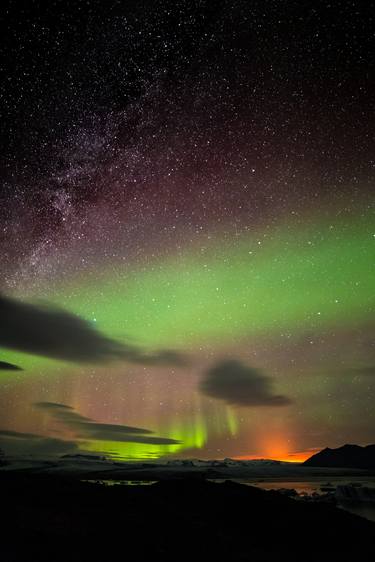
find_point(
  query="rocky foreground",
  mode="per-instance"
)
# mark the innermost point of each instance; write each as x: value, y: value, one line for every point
x: 58, y: 519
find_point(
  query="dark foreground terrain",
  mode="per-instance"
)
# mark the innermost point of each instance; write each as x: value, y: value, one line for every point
x: 52, y: 519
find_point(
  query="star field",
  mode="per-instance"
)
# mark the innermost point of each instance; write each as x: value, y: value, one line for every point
x: 194, y: 180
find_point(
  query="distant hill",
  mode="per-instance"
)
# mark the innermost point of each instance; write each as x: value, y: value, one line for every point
x: 348, y: 456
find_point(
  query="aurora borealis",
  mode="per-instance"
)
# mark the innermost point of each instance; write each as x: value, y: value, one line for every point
x: 196, y: 182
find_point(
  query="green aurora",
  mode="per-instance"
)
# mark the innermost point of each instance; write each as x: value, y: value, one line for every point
x: 288, y: 280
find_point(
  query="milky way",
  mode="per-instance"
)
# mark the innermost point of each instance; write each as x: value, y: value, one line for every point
x: 195, y: 181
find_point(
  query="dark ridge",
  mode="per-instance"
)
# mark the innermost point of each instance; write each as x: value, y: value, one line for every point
x: 347, y: 456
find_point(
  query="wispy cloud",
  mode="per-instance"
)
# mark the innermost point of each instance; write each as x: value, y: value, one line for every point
x: 84, y: 428
x: 15, y: 443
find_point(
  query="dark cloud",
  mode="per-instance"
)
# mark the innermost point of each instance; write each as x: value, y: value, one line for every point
x: 54, y: 406
x: 87, y: 429
x: 18, y: 434
x: 164, y: 357
x: 14, y: 443
x: 56, y: 333
x: 61, y: 412
x: 4, y: 366
x: 241, y: 385
x: 102, y: 434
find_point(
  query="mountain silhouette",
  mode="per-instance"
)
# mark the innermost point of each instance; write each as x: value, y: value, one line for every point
x: 348, y: 456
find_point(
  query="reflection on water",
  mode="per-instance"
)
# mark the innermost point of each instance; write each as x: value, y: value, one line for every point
x: 308, y: 485
x: 363, y: 509
x: 122, y: 482
x: 303, y: 488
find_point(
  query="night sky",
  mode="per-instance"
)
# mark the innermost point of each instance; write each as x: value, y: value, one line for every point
x: 187, y: 228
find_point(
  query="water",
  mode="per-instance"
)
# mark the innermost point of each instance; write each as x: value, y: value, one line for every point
x: 302, y: 487
x: 363, y: 509
x: 122, y: 482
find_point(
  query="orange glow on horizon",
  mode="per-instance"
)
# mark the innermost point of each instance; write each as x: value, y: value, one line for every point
x: 299, y: 456
x: 277, y: 444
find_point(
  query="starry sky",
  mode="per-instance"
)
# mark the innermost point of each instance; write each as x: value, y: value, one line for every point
x: 187, y: 228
